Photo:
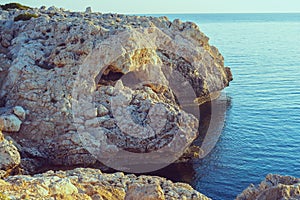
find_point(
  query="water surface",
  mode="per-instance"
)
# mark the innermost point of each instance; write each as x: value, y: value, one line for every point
x: 262, y: 128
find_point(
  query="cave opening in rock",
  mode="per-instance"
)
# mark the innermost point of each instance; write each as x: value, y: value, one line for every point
x: 109, y: 76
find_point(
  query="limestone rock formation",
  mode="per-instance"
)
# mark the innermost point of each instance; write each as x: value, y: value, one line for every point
x: 140, y: 62
x: 9, y: 155
x: 10, y: 121
x: 273, y: 187
x: 85, y: 183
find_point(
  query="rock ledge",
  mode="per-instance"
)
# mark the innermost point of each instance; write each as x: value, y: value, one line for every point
x: 86, y: 183
x: 273, y: 187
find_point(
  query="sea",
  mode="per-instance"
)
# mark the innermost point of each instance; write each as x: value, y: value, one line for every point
x: 261, y: 133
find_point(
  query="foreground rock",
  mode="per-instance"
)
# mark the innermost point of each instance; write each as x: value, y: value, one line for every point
x: 273, y: 187
x: 85, y: 183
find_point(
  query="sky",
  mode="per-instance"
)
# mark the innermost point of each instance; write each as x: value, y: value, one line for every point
x: 170, y: 6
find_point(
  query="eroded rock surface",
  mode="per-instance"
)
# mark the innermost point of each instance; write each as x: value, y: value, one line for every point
x: 273, y: 187
x: 9, y: 155
x: 42, y: 57
x: 85, y: 183
x: 10, y: 121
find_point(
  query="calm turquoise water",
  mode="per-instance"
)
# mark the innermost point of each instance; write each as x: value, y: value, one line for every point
x: 262, y: 128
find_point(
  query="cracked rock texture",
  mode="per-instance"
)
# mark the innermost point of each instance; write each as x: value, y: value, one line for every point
x: 9, y: 156
x: 273, y: 187
x: 10, y: 121
x: 42, y: 57
x: 85, y: 183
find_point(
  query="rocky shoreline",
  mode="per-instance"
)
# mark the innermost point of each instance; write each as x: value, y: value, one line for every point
x: 273, y: 187
x: 86, y: 183
x: 70, y: 82
x: 46, y: 56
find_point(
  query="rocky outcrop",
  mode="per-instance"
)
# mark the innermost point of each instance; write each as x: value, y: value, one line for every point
x: 10, y: 121
x: 91, y: 77
x: 9, y: 156
x: 85, y: 183
x: 11, y: 118
x: 273, y: 187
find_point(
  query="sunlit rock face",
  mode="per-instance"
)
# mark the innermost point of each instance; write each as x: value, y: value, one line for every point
x: 140, y: 64
x: 273, y: 187
x: 10, y: 121
x: 86, y: 183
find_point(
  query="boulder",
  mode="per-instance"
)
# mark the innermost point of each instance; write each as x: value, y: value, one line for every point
x: 9, y: 156
x: 10, y: 123
x: 144, y: 192
x: 273, y: 187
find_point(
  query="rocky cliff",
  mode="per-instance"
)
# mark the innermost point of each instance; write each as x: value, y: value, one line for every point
x: 77, y: 73
x: 100, y: 90
x: 82, y: 88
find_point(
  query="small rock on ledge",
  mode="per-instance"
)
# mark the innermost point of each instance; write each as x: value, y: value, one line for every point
x: 11, y: 118
x: 88, y: 10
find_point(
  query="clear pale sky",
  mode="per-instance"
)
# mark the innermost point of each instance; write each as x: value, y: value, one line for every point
x: 170, y: 6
